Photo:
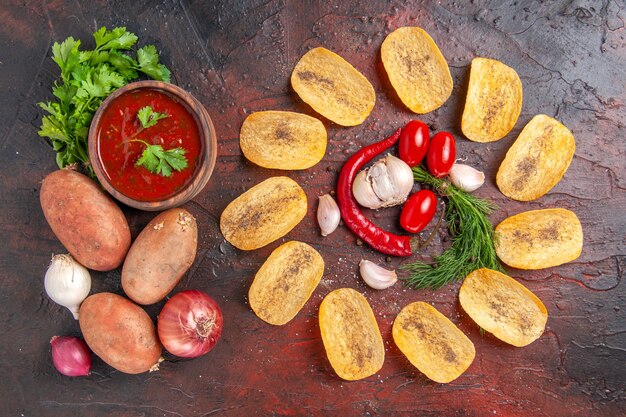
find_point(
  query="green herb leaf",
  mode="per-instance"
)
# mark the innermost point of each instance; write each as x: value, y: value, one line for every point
x: 87, y: 78
x: 124, y: 64
x: 117, y: 38
x: 149, y: 117
x: 147, y: 58
x: 162, y: 162
x: 472, y: 237
x: 66, y: 55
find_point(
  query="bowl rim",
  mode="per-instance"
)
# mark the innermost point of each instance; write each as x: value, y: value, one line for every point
x: 208, y: 139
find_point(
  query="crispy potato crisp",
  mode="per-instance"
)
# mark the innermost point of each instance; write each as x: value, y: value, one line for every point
x: 503, y: 307
x: 494, y: 101
x: 333, y: 87
x: 285, y: 282
x: 537, y: 160
x: 350, y: 335
x: 432, y: 343
x: 264, y: 213
x: 416, y: 68
x: 539, y: 239
x: 283, y: 140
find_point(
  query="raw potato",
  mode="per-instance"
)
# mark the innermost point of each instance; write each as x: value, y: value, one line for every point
x: 503, y: 306
x: 85, y: 220
x: 160, y: 256
x: 537, y: 160
x: 283, y: 140
x: 120, y: 333
x: 285, y: 282
x: 539, y: 239
x: 264, y: 213
x: 350, y: 335
x: 432, y: 343
x: 494, y: 101
x: 416, y: 68
x: 333, y: 87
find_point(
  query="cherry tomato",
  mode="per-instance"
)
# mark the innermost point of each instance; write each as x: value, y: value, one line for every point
x: 418, y: 211
x: 441, y: 154
x: 414, y: 141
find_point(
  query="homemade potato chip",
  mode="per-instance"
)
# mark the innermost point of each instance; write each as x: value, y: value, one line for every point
x: 350, y: 335
x: 283, y: 140
x: 416, y: 68
x: 264, y: 213
x: 503, y: 307
x: 539, y: 239
x: 333, y: 87
x: 537, y: 160
x: 432, y: 343
x: 494, y: 101
x: 285, y: 282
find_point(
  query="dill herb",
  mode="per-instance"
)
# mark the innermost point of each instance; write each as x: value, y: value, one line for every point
x: 471, y: 232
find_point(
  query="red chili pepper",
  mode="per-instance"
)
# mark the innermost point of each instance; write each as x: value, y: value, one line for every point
x: 441, y: 154
x: 379, y: 239
x: 414, y: 141
x: 418, y: 211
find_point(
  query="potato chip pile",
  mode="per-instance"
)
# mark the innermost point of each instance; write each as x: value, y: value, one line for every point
x: 419, y: 73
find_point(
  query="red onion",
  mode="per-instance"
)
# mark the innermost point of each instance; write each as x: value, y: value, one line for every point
x: 190, y: 324
x: 70, y: 355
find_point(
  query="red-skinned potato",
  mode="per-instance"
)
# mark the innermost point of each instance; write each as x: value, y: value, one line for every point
x: 85, y: 219
x: 160, y: 256
x: 120, y: 333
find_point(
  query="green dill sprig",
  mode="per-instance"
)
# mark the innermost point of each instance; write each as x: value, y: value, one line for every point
x: 472, y: 237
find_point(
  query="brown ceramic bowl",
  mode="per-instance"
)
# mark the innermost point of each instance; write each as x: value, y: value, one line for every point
x: 207, y: 157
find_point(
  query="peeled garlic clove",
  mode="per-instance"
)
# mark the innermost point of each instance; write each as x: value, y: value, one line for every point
x: 328, y: 214
x: 363, y: 191
x: 375, y: 276
x: 466, y: 178
x: 401, y: 176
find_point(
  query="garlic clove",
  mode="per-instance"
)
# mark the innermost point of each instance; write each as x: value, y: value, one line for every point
x: 328, y: 214
x: 363, y: 191
x: 466, y: 178
x: 401, y: 177
x: 376, y: 276
x: 382, y: 184
x: 67, y: 282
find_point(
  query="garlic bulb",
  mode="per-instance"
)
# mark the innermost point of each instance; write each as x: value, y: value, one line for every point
x: 376, y: 276
x: 67, y: 282
x: 386, y: 183
x: 466, y: 178
x: 328, y: 214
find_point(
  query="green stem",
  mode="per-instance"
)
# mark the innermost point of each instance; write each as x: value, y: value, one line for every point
x: 472, y: 237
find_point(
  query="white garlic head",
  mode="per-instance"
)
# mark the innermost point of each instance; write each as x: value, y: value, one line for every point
x: 386, y: 183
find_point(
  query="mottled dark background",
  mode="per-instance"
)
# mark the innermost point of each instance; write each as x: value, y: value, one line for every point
x: 236, y: 57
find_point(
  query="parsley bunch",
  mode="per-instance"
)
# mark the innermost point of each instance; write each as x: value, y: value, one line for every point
x: 87, y: 78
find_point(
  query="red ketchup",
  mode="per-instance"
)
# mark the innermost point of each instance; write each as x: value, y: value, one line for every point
x: 117, y: 153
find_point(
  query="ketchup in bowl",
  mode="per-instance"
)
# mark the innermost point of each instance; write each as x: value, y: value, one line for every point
x: 118, y: 139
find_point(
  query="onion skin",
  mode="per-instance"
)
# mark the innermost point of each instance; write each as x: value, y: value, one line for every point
x: 70, y: 355
x: 190, y: 324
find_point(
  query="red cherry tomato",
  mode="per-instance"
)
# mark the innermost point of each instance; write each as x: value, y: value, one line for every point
x: 414, y: 141
x: 441, y: 154
x: 418, y: 211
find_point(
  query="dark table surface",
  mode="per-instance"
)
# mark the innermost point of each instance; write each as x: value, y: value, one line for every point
x: 236, y: 57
